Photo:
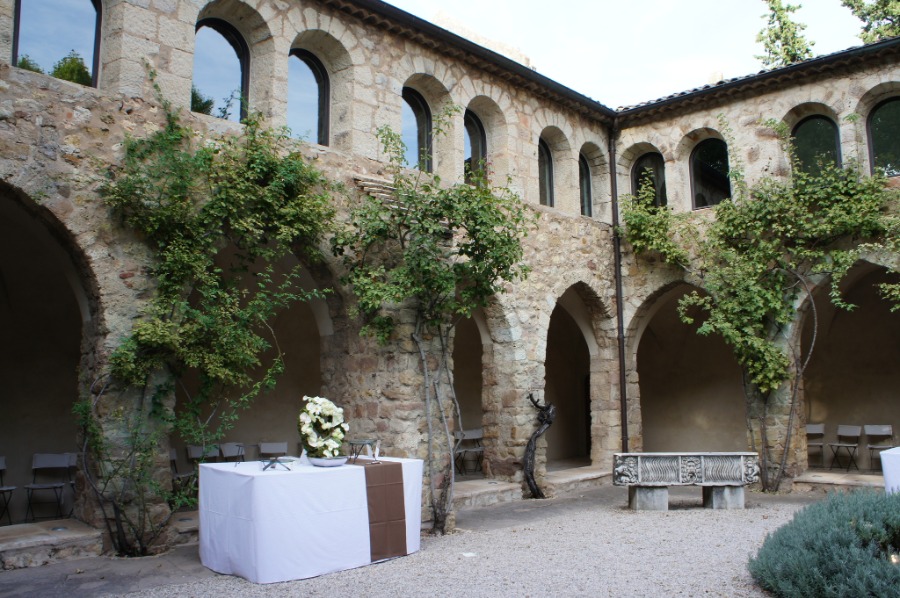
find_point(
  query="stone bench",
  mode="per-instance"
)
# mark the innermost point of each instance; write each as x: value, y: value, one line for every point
x: 649, y: 475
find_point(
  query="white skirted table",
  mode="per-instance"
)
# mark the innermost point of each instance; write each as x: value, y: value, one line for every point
x: 278, y: 525
x: 890, y: 465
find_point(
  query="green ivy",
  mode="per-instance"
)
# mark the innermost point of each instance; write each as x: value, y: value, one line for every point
x: 221, y: 216
x: 444, y: 250
x: 764, y: 248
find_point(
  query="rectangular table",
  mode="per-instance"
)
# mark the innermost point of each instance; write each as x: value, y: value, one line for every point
x: 276, y: 525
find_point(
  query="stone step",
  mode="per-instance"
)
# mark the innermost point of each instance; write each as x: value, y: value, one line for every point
x: 824, y: 481
x: 187, y: 524
x: 474, y: 494
x: 44, y: 542
x: 576, y: 479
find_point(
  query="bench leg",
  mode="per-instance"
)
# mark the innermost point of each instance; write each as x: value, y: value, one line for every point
x: 648, y: 498
x: 723, y: 497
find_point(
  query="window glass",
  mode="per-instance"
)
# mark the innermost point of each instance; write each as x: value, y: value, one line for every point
x: 584, y: 185
x: 650, y: 166
x: 221, y: 62
x: 884, y: 137
x: 308, y: 97
x: 709, y: 173
x: 416, y: 133
x: 475, y: 142
x: 545, y: 173
x: 816, y: 143
x: 59, y: 38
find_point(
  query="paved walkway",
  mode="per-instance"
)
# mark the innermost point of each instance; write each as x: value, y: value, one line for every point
x: 161, y: 575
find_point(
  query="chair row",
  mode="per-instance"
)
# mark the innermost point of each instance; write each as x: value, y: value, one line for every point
x: 880, y: 437
x: 51, y: 474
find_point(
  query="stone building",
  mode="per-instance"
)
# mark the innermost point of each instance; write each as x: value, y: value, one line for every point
x: 621, y: 368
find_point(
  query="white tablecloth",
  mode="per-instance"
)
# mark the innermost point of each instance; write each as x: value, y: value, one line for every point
x: 890, y: 465
x: 271, y: 526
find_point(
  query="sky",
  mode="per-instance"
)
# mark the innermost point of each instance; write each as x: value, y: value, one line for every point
x: 618, y: 53
x: 622, y: 53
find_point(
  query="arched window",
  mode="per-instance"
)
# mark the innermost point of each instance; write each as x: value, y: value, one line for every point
x: 817, y: 143
x: 584, y: 186
x: 416, y: 132
x: 60, y: 40
x: 309, y: 97
x: 221, y: 69
x: 709, y: 173
x: 545, y: 173
x: 650, y: 167
x: 884, y: 137
x: 475, y: 142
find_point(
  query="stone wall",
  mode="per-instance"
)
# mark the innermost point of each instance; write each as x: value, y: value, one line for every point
x: 57, y: 139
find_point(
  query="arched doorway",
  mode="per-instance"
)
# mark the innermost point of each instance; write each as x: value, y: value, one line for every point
x: 468, y: 384
x: 853, y: 375
x: 43, y: 313
x: 567, y: 386
x: 690, y: 385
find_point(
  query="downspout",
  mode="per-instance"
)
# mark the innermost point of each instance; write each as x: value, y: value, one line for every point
x: 617, y: 271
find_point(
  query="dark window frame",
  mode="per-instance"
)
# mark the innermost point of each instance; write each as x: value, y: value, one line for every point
x: 545, y: 174
x: 422, y: 112
x: 320, y: 73
x: 95, y: 63
x: 585, y: 185
x: 695, y: 174
x: 870, y: 137
x: 837, y: 135
x: 477, y: 141
x: 654, y: 162
x: 241, y: 49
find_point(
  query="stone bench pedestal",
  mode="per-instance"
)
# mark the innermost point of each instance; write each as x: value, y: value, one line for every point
x: 649, y: 475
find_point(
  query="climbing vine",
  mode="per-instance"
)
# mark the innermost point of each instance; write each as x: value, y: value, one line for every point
x: 220, y: 216
x: 764, y: 250
x: 444, y: 250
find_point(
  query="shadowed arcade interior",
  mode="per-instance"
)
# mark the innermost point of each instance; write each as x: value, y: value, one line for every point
x: 853, y: 376
x: 691, y: 393
x: 41, y: 324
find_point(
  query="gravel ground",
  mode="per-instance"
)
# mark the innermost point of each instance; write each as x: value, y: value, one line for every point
x: 587, y: 545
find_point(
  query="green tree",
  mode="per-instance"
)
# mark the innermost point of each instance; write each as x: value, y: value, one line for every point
x: 881, y: 18
x: 765, y: 250
x: 443, y: 252
x: 71, y: 68
x: 220, y: 217
x: 782, y: 38
x: 26, y: 62
x: 201, y: 103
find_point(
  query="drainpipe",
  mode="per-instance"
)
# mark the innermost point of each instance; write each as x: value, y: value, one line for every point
x: 617, y: 270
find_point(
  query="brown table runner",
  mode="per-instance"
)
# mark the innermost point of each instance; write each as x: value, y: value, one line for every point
x: 387, y: 512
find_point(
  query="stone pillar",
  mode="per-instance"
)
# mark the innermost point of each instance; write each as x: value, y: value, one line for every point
x: 648, y: 498
x: 7, y: 20
x: 723, y: 497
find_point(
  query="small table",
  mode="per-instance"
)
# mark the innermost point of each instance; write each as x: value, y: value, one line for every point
x: 280, y: 525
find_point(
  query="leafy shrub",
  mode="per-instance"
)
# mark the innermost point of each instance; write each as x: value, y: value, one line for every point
x: 838, y: 547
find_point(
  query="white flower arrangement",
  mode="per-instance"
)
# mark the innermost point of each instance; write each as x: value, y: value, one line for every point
x: 321, y: 426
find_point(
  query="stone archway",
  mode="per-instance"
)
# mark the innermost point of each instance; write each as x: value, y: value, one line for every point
x: 44, y: 315
x: 853, y: 374
x: 567, y: 386
x: 690, y: 385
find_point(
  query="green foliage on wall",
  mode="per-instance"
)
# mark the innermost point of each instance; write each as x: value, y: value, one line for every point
x: 221, y: 216
x: 762, y: 251
x: 445, y: 251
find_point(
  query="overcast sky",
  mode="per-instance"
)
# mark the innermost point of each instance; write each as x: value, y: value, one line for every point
x: 617, y: 52
x: 626, y: 52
